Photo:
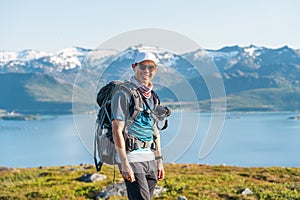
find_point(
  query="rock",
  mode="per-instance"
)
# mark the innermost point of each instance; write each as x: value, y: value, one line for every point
x: 182, y: 198
x: 158, y: 191
x: 4, y: 169
x: 247, y: 191
x: 102, y: 196
x: 44, y: 174
x: 15, y: 170
x: 9, y: 169
x: 92, y: 177
x: 119, y: 189
x: 72, y: 169
x: 87, y: 166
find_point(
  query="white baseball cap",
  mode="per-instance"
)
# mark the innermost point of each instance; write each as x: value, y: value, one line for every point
x: 142, y: 56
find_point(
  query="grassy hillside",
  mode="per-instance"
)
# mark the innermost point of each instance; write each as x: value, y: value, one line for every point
x: 35, y: 93
x: 46, y: 88
x: 266, y: 99
x: 193, y: 181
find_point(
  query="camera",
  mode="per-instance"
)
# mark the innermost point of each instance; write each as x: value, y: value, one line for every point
x: 161, y: 112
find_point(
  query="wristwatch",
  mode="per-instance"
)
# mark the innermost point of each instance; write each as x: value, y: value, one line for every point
x: 159, y: 157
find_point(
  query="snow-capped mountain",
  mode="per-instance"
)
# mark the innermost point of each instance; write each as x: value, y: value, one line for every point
x: 252, y: 56
x: 226, y: 59
x: 171, y: 66
x: 31, y: 60
x: 241, y: 69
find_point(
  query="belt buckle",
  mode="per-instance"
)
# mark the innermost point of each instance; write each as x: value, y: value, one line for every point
x: 144, y: 145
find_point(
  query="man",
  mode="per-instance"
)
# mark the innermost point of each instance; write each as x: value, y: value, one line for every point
x: 142, y: 166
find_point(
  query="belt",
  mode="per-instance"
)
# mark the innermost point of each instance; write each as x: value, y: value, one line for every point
x: 141, y: 144
x: 133, y: 143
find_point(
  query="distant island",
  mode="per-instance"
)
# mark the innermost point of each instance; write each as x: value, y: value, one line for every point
x: 295, y: 117
x: 17, y: 116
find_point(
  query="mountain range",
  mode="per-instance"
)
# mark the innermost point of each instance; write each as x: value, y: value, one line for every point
x: 255, y: 78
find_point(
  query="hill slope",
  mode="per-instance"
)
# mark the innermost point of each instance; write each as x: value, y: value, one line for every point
x: 34, y: 93
x: 265, y: 99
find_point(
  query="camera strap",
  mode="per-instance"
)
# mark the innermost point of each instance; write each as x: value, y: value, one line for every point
x: 154, y: 116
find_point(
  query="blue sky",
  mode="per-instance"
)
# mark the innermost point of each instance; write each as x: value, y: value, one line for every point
x: 56, y: 24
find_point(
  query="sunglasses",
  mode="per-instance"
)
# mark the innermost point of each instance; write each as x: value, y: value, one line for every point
x: 151, y: 68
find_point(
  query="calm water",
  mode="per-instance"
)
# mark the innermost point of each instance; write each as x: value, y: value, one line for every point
x: 260, y: 139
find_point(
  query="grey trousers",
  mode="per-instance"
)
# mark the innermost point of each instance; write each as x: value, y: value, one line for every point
x: 146, y: 179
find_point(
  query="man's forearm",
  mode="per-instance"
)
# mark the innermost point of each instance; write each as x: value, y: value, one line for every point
x: 120, y: 146
x: 158, y: 146
x: 117, y: 130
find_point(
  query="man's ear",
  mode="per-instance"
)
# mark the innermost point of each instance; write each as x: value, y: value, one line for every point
x: 133, y: 66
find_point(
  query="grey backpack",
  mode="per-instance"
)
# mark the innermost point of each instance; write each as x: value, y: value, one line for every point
x: 104, y: 149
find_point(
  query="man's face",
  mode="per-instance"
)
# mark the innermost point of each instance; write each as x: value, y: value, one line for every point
x: 145, y: 71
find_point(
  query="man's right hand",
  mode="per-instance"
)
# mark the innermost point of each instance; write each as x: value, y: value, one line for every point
x: 127, y: 173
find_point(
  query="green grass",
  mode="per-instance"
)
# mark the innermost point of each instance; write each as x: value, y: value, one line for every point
x: 193, y: 181
x: 50, y: 183
x: 223, y: 182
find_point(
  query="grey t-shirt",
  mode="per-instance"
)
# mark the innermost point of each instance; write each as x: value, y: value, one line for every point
x: 142, y: 127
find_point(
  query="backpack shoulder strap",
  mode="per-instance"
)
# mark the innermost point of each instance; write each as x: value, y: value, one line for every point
x: 137, y: 101
x: 155, y: 98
